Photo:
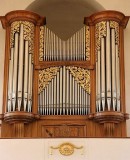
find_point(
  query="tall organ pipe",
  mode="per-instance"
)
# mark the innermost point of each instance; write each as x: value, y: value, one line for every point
x: 58, y: 93
x: 64, y: 96
x: 113, y: 69
x: 15, y: 71
x: 99, y: 82
x: 30, y: 83
x: 26, y: 75
x: 103, y: 72
x: 118, y: 79
x: 20, y: 73
x: 107, y: 71
x: 56, y: 49
x: 108, y: 66
x: 10, y: 80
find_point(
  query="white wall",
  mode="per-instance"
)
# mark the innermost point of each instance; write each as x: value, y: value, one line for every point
x: 39, y: 149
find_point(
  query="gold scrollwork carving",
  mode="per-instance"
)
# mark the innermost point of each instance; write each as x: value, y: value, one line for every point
x: 66, y: 149
x: 82, y: 76
x: 41, y: 43
x: 45, y: 76
x: 115, y: 26
x: 28, y: 31
x: 87, y: 43
x: 100, y: 32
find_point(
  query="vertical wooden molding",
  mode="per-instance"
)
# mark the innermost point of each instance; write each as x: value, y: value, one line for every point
x: 35, y: 72
x: 122, y: 70
x: 19, y: 130
x: 123, y: 129
x: 6, y: 68
x: 93, y: 72
x: 109, y: 129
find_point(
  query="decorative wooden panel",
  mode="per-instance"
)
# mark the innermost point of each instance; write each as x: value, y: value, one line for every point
x: 64, y: 131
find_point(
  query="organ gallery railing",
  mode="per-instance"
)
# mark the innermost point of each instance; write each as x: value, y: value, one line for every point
x: 47, y: 76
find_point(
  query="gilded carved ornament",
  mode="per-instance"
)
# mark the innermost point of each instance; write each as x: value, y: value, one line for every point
x: 101, y: 31
x: 87, y: 43
x: 66, y: 149
x: 115, y: 26
x: 45, y: 76
x: 28, y: 31
x: 81, y: 75
x: 41, y: 43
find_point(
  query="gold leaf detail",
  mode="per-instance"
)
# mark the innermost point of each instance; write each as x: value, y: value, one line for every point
x: 115, y: 26
x: 100, y: 31
x: 87, y: 43
x: 28, y: 31
x: 66, y: 149
x: 45, y: 76
x: 41, y: 43
x: 82, y: 76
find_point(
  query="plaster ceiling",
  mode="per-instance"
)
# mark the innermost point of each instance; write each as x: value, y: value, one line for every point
x: 65, y: 17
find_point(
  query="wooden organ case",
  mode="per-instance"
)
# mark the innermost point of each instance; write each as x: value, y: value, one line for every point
x: 55, y: 88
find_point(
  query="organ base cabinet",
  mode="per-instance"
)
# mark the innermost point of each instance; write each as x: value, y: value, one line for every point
x: 55, y: 88
x: 63, y: 127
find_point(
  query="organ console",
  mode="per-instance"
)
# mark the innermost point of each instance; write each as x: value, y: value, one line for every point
x: 56, y: 88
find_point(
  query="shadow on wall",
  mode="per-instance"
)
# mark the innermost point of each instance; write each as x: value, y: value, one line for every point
x: 65, y: 17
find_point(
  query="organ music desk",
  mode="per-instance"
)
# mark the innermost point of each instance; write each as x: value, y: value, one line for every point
x: 55, y: 88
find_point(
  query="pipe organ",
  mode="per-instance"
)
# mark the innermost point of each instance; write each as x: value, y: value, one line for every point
x: 56, y: 88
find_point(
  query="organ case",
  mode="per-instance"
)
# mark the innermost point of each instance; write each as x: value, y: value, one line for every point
x: 57, y: 88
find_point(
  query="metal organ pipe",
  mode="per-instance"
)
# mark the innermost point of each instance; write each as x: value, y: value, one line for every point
x: 15, y: 71
x: 56, y: 49
x: 117, y: 78
x: 30, y: 83
x: 107, y: 69
x: 10, y: 80
x: 99, y: 81
x: 108, y: 66
x: 26, y: 75
x: 103, y: 72
x: 113, y: 68
x: 20, y: 74
x: 64, y: 96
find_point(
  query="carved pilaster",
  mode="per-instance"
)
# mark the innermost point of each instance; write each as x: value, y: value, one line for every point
x: 19, y: 130
x: 109, y: 120
x: 109, y: 129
